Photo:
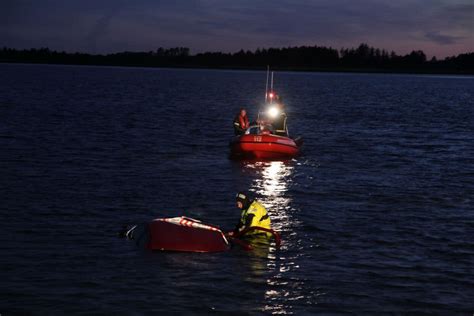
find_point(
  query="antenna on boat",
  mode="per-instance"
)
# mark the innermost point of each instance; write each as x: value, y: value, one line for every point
x: 271, y: 88
x: 266, y: 86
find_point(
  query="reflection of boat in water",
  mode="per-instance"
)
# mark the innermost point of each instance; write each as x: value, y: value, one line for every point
x: 189, y: 235
x: 260, y: 145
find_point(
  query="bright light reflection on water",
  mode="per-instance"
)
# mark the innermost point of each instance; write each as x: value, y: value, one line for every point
x: 270, y: 186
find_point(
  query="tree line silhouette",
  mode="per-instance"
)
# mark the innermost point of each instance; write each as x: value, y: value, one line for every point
x: 318, y: 58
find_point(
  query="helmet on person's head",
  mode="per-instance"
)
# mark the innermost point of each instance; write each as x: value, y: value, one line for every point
x: 243, y: 198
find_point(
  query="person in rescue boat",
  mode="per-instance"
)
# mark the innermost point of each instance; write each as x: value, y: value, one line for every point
x: 253, y: 214
x: 241, y: 122
x: 279, y: 122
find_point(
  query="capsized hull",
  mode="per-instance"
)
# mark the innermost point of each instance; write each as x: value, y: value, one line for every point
x: 179, y: 234
x: 190, y: 235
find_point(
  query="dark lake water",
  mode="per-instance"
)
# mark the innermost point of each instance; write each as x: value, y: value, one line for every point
x: 376, y: 216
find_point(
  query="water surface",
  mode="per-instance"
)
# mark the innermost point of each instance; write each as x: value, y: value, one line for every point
x: 376, y: 215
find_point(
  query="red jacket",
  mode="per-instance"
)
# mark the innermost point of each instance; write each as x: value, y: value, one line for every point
x: 244, y: 121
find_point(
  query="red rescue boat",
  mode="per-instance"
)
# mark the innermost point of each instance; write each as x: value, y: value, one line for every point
x: 264, y: 147
x: 262, y: 141
x: 258, y: 145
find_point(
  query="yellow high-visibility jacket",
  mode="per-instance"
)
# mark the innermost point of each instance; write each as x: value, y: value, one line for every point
x: 260, y: 217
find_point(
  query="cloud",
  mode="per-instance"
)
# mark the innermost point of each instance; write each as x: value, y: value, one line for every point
x: 224, y: 25
x: 443, y: 39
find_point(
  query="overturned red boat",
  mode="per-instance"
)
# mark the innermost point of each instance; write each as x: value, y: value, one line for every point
x: 258, y: 145
x: 185, y: 234
x: 178, y: 234
x: 188, y: 235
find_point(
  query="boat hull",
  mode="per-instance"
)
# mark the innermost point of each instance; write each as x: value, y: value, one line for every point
x: 184, y: 234
x: 264, y: 147
x: 179, y: 234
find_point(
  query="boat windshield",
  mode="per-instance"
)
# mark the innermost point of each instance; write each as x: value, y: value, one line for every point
x: 259, y: 129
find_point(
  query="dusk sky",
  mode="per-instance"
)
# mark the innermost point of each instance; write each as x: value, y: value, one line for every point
x: 438, y: 27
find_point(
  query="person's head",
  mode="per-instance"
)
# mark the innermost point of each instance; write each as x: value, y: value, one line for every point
x: 242, y: 200
x: 243, y: 112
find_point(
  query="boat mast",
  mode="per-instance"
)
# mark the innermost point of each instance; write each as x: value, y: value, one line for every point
x: 266, y: 86
x: 271, y: 88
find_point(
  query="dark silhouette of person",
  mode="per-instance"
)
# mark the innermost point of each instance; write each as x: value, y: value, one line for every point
x: 241, y: 122
x: 279, y: 123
